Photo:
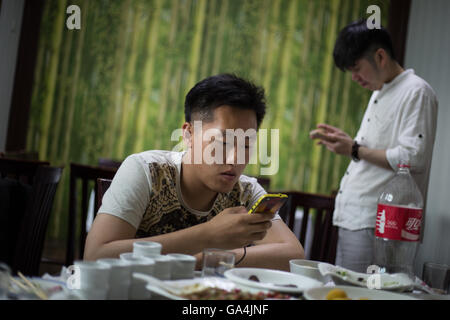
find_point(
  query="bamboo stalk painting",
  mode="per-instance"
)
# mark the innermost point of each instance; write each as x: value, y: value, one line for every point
x: 117, y: 86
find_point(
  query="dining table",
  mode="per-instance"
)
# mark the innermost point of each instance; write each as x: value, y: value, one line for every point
x: 272, y: 284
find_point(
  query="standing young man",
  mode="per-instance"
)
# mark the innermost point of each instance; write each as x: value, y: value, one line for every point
x: 399, y: 124
x: 187, y: 203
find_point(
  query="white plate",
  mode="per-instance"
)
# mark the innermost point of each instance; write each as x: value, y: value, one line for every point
x: 174, y: 289
x: 355, y: 293
x: 273, y: 280
x: 382, y: 281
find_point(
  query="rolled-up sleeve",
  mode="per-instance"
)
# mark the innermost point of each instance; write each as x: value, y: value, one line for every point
x: 416, y: 132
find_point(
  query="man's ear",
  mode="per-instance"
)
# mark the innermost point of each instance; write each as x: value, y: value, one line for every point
x: 381, y: 57
x: 187, y: 134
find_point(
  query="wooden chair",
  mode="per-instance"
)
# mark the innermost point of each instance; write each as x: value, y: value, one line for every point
x: 30, y: 244
x: 31, y: 187
x: 20, y: 155
x: 105, y: 162
x: 88, y: 176
x: 102, y: 186
x: 264, y: 182
x: 22, y: 170
x: 324, y: 241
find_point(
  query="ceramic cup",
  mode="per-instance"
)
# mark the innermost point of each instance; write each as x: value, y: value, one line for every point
x: 119, y: 278
x: 143, y: 265
x: 90, y: 279
x: 183, y: 266
x: 141, y: 248
x: 163, y: 266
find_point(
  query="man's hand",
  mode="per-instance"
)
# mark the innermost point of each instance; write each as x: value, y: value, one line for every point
x: 235, y: 228
x: 333, y: 138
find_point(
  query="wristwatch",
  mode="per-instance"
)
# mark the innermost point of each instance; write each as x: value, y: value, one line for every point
x: 355, y: 148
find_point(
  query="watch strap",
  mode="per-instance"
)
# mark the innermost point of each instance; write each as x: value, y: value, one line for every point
x: 355, y: 149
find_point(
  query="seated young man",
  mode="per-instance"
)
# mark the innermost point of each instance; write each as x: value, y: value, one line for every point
x: 189, y: 205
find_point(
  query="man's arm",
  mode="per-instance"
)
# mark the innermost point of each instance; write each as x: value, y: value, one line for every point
x: 232, y: 228
x: 110, y: 236
x: 273, y: 252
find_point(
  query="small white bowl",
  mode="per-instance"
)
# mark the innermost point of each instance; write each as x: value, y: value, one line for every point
x: 308, y: 268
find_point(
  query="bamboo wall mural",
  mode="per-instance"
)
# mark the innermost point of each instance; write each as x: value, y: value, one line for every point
x: 117, y: 86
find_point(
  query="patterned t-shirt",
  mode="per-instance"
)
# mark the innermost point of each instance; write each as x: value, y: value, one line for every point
x: 146, y: 193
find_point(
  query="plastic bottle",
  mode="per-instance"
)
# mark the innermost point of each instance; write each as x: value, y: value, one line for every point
x: 398, y: 223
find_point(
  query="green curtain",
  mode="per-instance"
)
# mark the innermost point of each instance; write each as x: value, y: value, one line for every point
x: 117, y: 85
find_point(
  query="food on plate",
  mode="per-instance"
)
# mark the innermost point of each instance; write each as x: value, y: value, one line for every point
x: 287, y: 285
x: 342, y: 273
x: 336, y: 294
x: 253, y: 278
x: 339, y: 294
x: 256, y: 279
x: 235, y: 294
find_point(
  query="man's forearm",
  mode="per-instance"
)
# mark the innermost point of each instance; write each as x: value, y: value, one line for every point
x: 189, y: 241
x: 376, y: 157
x: 270, y: 256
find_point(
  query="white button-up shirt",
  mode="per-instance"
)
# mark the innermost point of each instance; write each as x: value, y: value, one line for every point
x: 401, y: 119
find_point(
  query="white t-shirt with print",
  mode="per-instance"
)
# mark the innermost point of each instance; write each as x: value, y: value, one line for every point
x: 145, y: 192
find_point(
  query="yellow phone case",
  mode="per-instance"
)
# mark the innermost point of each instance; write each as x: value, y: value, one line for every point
x: 271, y: 206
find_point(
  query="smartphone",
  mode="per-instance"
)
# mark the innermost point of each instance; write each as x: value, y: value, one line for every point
x: 269, y: 203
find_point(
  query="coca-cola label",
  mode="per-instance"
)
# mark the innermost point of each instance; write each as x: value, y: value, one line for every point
x: 398, y: 223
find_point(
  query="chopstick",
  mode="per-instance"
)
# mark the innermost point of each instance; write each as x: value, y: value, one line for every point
x: 37, y: 291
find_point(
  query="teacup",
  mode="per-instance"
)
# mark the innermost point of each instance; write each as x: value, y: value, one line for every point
x: 141, y: 248
x: 119, y: 279
x: 144, y: 265
x: 163, y: 266
x: 91, y: 279
x: 183, y: 266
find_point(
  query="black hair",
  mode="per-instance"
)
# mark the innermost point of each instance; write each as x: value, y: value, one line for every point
x: 356, y: 41
x: 224, y: 89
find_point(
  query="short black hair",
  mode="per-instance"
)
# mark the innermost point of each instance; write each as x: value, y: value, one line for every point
x: 356, y: 41
x: 224, y: 89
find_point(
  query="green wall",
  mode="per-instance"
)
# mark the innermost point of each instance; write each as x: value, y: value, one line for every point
x: 117, y: 86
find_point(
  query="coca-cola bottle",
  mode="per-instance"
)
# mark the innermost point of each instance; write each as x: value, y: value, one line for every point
x: 398, y: 223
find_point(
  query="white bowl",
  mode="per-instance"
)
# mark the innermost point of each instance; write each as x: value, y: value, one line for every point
x: 307, y: 268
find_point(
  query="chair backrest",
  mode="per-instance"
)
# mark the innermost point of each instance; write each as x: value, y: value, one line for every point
x: 321, y: 208
x: 22, y: 170
x: 105, y: 162
x: 88, y: 176
x: 30, y: 244
x: 264, y: 182
x: 102, y: 186
x: 21, y: 155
